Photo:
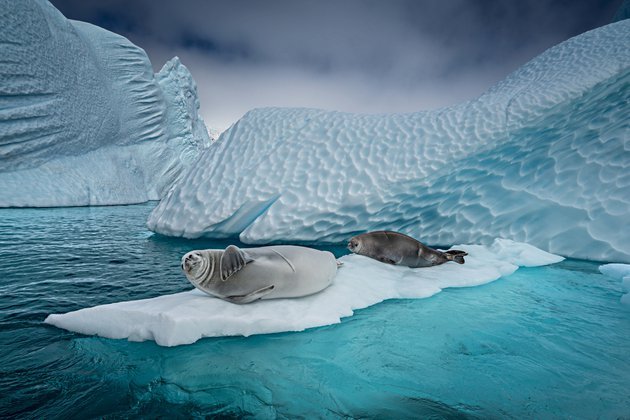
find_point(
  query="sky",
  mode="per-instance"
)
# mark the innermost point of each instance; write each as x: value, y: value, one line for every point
x: 347, y: 55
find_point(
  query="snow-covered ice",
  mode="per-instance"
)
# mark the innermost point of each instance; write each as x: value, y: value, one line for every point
x: 85, y: 121
x: 543, y: 157
x: 184, y: 318
x: 621, y: 272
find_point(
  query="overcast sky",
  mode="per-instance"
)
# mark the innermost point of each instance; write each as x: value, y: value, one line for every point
x: 347, y: 55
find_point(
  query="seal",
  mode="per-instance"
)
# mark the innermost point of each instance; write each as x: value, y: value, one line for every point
x: 396, y: 248
x: 246, y: 275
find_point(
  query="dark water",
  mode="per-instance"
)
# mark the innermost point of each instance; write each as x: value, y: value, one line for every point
x: 543, y: 342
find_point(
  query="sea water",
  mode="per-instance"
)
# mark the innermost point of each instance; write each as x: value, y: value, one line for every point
x: 543, y: 342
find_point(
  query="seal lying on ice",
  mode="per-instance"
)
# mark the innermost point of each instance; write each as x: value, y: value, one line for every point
x: 245, y: 275
x: 396, y: 248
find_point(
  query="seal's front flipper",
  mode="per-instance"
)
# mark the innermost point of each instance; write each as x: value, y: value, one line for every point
x: 456, y: 255
x: 233, y: 260
x: 258, y: 294
x: 386, y: 260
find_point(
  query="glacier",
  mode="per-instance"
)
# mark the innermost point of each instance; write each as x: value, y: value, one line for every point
x: 186, y: 317
x: 542, y: 157
x: 84, y: 120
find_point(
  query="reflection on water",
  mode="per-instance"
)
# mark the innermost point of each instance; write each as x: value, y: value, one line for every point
x: 550, y: 341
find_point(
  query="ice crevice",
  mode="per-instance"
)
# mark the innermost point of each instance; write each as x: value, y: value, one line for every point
x: 242, y: 218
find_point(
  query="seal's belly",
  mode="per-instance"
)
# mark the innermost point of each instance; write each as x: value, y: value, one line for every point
x: 416, y: 262
x: 293, y: 271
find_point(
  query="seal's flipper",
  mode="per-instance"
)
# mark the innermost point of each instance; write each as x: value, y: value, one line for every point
x: 233, y: 260
x: 456, y: 255
x: 386, y: 260
x: 250, y: 297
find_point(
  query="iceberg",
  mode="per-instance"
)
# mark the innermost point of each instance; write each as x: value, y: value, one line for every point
x: 184, y: 318
x: 85, y: 121
x: 542, y: 157
x: 620, y: 272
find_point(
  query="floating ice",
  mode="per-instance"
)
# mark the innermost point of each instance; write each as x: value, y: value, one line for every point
x: 543, y: 157
x: 184, y: 318
x: 84, y: 119
x: 621, y: 272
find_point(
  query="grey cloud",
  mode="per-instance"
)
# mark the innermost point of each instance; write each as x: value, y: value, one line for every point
x: 407, y: 51
x: 375, y: 36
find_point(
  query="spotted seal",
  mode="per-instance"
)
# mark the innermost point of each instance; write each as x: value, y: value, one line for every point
x: 396, y: 248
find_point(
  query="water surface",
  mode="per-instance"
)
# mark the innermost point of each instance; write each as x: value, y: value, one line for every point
x: 544, y: 342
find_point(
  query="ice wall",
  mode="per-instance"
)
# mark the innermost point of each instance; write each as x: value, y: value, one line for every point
x: 543, y: 157
x: 84, y: 119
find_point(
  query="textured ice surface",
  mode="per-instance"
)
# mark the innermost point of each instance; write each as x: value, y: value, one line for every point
x: 543, y: 157
x: 621, y: 272
x: 83, y: 118
x: 186, y: 317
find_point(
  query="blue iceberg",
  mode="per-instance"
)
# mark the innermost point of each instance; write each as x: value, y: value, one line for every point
x: 85, y: 121
x: 542, y: 157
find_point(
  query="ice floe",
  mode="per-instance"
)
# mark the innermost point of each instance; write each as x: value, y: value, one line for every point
x: 184, y: 318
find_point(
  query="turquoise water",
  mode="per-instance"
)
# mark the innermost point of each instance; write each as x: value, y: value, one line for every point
x: 543, y: 342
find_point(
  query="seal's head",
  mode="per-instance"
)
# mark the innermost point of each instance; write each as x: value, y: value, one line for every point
x: 355, y: 245
x: 198, y: 266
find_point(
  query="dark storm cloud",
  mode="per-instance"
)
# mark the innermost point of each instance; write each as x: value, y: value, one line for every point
x: 364, y: 55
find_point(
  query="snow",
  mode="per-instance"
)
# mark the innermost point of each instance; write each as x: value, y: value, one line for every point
x: 184, y: 318
x: 621, y: 272
x: 543, y: 157
x: 85, y: 121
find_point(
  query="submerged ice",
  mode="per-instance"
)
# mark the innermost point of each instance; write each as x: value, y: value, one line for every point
x: 184, y: 318
x: 543, y: 157
x: 85, y: 121
x: 621, y: 272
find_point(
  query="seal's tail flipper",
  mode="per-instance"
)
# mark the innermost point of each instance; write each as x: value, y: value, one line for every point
x: 456, y: 255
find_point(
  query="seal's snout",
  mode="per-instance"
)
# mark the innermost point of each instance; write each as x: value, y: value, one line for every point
x: 190, y: 261
x: 353, y: 245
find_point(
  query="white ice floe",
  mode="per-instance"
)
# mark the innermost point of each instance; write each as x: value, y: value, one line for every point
x: 184, y: 318
x: 85, y: 121
x: 621, y: 272
x: 543, y: 157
